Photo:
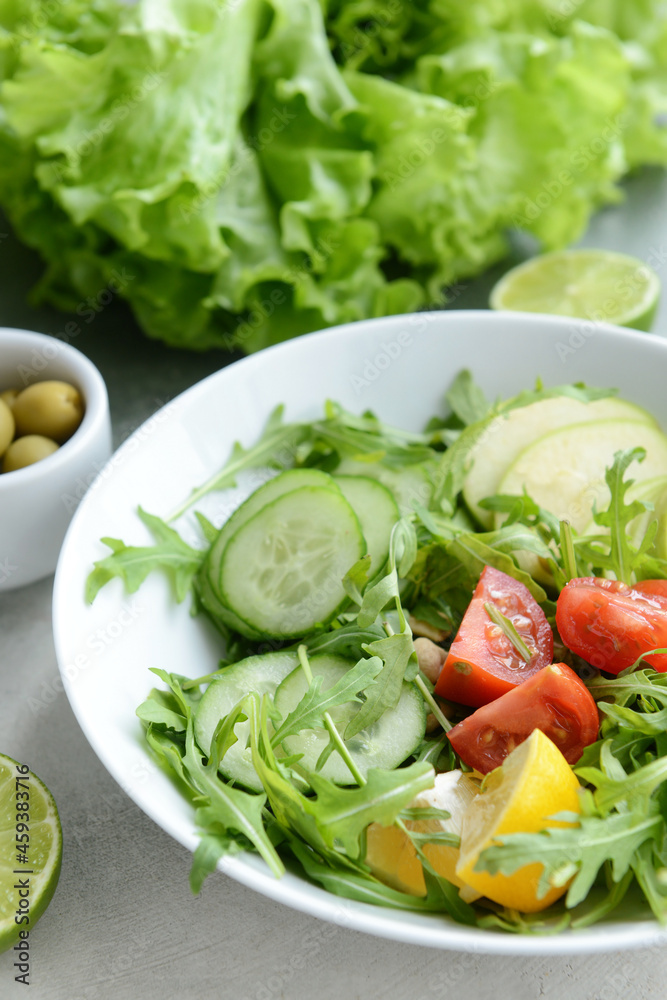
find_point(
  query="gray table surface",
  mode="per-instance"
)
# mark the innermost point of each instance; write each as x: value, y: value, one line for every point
x: 123, y: 921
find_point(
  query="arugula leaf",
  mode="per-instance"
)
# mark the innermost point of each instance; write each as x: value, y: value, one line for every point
x: 346, y: 641
x: 231, y: 807
x: 160, y: 707
x: 376, y: 598
x: 342, y: 814
x: 465, y: 557
x: 133, y: 563
x: 523, y: 510
x: 292, y: 810
x: 222, y: 810
x: 275, y: 448
x: 208, y: 529
x: 576, y: 852
x: 210, y: 849
x: 186, y: 697
x: 308, y: 714
x: 368, y: 439
x: 649, y: 865
x: 592, y: 910
x: 360, y: 885
x: 395, y: 652
x: 634, y: 711
x: 168, y: 747
x: 450, y: 473
x: 632, y: 791
x: 623, y: 557
x: 356, y: 578
x: 626, y: 687
x: 466, y: 399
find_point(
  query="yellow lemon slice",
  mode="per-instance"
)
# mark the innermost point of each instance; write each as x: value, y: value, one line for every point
x: 534, y: 783
x: 391, y: 855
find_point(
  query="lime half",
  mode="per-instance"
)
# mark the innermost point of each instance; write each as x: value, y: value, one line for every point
x: 31, y: 848
x: 592, y: 284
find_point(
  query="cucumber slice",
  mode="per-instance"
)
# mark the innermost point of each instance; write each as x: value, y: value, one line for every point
x: 283, y: 483
x: 216, y: 610
x: 505, y: 436
x: 564, y: 471
x: 377, y: 511
x: 413, y: 483
x: 261, y: 674
x: 281, y: 572
x: 385, y: 744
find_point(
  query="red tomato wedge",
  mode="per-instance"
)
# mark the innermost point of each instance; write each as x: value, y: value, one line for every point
x: 482, y: 663
x: 654, y: 588
x: 554, y: 700
x: 611, y: 624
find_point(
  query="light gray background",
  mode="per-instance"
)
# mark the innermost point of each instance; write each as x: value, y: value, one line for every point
x: 123, y: 921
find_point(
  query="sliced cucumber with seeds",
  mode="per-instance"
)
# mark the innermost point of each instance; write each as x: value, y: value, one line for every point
x: 385, y: 744
x: 281, y: 572
x: 216, y: 610
x: 260, y: 674
x: 408, y: 485
x: 209, y: 576
x: 377, y: 511
x: 281, y: 484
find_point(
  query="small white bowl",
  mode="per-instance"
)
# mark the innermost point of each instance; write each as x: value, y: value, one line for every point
x: 37, y: 502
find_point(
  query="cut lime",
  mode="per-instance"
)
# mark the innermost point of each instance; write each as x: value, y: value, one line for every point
x: 592, y: 284
x: 31, y: 848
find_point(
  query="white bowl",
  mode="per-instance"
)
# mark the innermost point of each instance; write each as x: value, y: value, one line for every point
x: 400, y: 367
x: 37, y: 502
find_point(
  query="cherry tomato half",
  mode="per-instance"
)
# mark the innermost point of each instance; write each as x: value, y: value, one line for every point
x: 554, y: 700
x: 482, y: 663
x: 611, y: 624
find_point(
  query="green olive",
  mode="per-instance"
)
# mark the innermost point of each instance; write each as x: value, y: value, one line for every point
x: 9, y: 395
x: 6, y: 427
x: 27, y: 450
x: 53, y: 409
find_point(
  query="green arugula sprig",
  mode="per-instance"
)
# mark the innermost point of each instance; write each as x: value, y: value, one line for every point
x: 395, y: 650
x: 367, y: 439
x: 133, y: 563
x: 615, y: 552
x: 575, y: 853
x: 314, y: 706
x: 223, y: 811
x: 275, y: 448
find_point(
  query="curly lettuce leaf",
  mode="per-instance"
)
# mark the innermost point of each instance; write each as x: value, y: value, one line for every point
x: 244, y: 172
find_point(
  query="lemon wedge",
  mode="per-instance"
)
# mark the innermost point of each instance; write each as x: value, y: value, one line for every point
x: 391, y: 855
x: 533, y: 784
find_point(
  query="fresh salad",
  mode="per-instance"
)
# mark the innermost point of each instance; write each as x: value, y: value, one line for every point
x: 443, y: 675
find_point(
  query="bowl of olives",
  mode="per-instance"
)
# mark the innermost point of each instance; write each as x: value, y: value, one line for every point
x: 55, y: 436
